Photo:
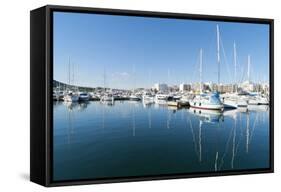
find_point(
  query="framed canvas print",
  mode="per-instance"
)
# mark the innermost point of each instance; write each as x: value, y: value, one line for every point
x: 120, y: 95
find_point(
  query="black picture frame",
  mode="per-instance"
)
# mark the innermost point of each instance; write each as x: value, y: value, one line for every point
x: 41, y: 77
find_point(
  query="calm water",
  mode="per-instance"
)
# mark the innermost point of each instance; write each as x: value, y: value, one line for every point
x: 95, y: 140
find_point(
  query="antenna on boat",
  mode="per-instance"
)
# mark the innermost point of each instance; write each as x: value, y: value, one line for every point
x: 218, y: 53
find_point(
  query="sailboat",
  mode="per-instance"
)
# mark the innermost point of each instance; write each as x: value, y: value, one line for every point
x: 70, y: 96
x: 206, y: 101
x: 107, y: 96
x: 257, y: 98
x: 58, y: 94
x: 234, y: 100
x: 147, y: 98
x: 134, y: 96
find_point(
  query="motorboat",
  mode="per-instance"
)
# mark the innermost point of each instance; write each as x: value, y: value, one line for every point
x: 207, y: 101
x: 107, y: 97
x: 147, y: 98
x: 134, y: 97
x: 71, y: 97
x: 83, y: 96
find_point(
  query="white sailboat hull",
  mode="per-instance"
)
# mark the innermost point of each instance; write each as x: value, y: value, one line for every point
x: 105, y: 98
x: 258, y: 101
x: 206, y: 106
x: 134, y: 98
x: 234, y: 103
x: 71, y: 98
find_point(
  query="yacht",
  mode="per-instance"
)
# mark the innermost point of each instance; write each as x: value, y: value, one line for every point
x: 93, y: 96
x: 107, y: 97
x: 258, y: 100
x: 83, y: 96
x: 134, y: 97
x: 161, y: 96
x: 147, y: 98
x: 206, y: 101
x: 71, y: 97
x: 233, y: 101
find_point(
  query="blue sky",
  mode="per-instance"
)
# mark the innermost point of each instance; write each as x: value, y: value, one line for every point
x: 138, y: 52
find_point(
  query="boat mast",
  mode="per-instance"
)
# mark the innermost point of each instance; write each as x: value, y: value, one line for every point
x: 200, y: 69
x: 235, y: 67
x: 249, y: 64
x: 218, y: 54
x: 75, y: 88
x: 68, y: 72
x: 104, y: 80
x: 168, y: 79
x: 134, y: 75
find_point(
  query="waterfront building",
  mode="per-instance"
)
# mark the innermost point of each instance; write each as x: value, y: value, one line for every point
x: 248, y: 86
x: 184, y: 87
x: 173, y: 88
x: 160, y: 87
x: 227, y: 88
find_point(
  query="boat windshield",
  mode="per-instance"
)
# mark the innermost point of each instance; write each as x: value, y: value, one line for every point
x: 215, y: 98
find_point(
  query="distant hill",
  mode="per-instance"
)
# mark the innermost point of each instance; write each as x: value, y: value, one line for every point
x: 80, y: 88
x: 66, y: 86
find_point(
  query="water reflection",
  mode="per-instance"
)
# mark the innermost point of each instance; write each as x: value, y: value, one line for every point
x: 139, y: 134
x: 207, y: 116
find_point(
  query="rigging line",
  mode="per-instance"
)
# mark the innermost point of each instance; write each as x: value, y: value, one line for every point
x: 225, y: 58
x: 238, y: 78
x: 196, y: 66
x: 210, y: 47
x: 244, y: 73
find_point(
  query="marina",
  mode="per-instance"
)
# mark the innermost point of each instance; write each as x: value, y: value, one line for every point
x: 208, y: 96
x: 155, y: 138
x: 157, y: 108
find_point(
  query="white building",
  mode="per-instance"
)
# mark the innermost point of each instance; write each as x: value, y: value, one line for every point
x: 184, y: 87
x: 160, y: 87
x: 248, y: 86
